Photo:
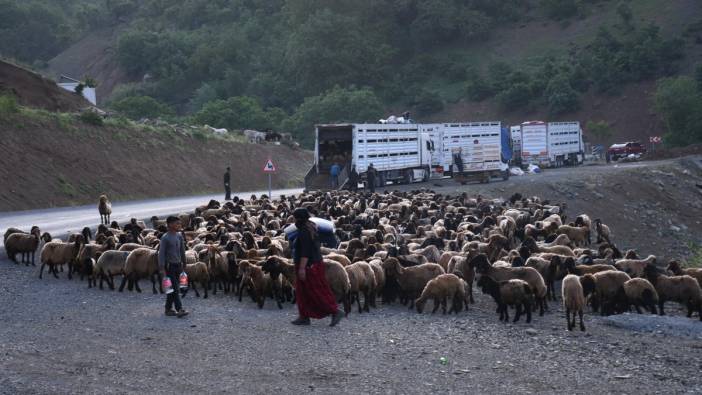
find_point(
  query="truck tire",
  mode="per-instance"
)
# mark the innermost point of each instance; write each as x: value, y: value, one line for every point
x: 505, y: 175
x: 408, y: 177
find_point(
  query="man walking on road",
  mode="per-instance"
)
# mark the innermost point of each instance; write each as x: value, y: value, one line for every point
x: 334, y: 172
x: 171, y: 261
x: 227, y: 187
x: 370, y: 176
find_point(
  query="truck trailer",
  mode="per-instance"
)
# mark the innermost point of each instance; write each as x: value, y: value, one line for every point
x: 404, y: 152
x: 552, y: 144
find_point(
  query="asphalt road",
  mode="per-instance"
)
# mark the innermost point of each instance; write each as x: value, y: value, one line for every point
x: 62, y: 220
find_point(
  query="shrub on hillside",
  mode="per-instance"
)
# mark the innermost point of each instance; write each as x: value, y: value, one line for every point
x: 8, y: 105
x: 515, y: 97
x: 138, y: 107
x: 427, y: 102
x: 679, y: 102
x: 91, y: 118
x: 561, y: 97
x: 600, y: 129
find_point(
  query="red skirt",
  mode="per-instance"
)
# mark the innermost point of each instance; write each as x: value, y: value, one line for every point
x: 314, y: 296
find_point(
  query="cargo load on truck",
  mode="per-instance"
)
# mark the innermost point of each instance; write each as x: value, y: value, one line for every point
x: 552, y: 144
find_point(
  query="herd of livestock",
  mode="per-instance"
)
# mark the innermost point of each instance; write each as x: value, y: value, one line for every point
x: 407, y: 247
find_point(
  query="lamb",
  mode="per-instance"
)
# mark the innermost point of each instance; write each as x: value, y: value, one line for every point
x: 377, y: 266
x: 512, y: 292
x: 23, y: 244
x: 88, y: 252
x: 682, y: 289
x: 362, y: 280
x: 603, y: 287
x: 440, y: 289
x: 637, y: 292
x: 634, y: 267
x: 105, y: 209
x: 696, y: 273
x: 141, y: 263
x: 568, y: 266
x: 197, y: 273
x: 528, y: 274
x: 411, y: 280
x: 260, y: 284
x: 108, y: 265
x: 461, y: 266
x: 573, y: 300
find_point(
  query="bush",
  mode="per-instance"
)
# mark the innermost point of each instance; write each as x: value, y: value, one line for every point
x: 8, y: 105
x: 600, y: 129
x: 239, y: 112
x: 679, y: 102
x: 138, y: 107
x: 560, y: 9
x: 427, y: 102
x: 515, y: 97
x: 91, y: 118
x: 561, y: 97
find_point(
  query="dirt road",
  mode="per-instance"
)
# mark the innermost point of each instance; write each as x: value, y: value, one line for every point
x: 60, y: 337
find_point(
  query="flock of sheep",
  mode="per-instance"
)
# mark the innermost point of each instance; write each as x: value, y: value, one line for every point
x: 407, y: 246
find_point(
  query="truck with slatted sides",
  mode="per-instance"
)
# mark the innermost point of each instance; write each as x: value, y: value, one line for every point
x: 565, y: 144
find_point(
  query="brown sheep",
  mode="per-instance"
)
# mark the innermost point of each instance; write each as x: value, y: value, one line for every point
x: 634, y: 267
x: 637, y: 292
x: 696, y: 273
x: 142, y: 263
x: 442, y: 288
x: 105, y: 209
x: 573, y: 300
x: 197, y: 273
x: 411, y: 280
x: 579, y: 235
x: 362, y: 280
x: 20, y: 243
x: 260, y: 284
x: 603, y: 287
x: 682, y: 289
x: 108, y: 265
x: 58, y: 253
x: 506, y: 293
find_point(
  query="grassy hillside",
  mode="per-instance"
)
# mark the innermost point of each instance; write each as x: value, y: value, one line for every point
x: 294, y: 63
x: 54, y: 159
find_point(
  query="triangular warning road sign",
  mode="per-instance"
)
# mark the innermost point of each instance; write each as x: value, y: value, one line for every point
x: 269, y: 167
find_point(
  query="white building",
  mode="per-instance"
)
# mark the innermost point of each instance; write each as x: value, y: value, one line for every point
x: 70, y: 85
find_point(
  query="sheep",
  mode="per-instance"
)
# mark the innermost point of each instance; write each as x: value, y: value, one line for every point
x: 547, y: 269
x: 528, y: 274
x: 411, y: 280
x: 461, y: 266
x: 362, y: 280
x: 88, y: 252
x: 141, y: 263
x: 579, y: 235
x: 105, y: 209
x: 637, y: 292
x: 682, y: 289
x: 156, y: 223
x: 197, y: 273
x: 377, y: 266
x: 23, y: 244
x: 573, y: 300
x: 603, y: 287
x: 696, y: 273
x: 58, y: 253
x: 568, y: 266
x: 108, y: 264
x: 603, y: 232
x: 440, y: 289
x: 512, y: 292
x: 634, y: 267
x: 260, y: 284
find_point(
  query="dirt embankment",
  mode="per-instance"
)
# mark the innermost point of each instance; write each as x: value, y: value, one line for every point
x: 33, y: 90
x: 54, y: 160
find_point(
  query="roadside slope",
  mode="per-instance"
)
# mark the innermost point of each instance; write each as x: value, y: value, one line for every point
x: 50, y: 159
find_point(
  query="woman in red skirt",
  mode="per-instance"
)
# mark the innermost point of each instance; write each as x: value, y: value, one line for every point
x: 312, y: 292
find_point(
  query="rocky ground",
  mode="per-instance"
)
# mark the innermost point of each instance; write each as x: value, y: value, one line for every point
x: 58, y: 336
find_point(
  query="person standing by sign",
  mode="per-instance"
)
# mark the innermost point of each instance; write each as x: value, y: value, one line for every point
x: 353, y: 179
x: 370, y: 176
x: 227, y: 187
x: 334, y: 172
x: 313, y: 295
x: 171, y: 261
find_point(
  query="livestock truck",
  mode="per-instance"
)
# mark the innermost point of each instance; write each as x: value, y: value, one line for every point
x: 404, y: 153
x: 552, y: 144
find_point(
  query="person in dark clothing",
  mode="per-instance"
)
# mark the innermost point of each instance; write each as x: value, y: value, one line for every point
x: 353, y: 179
x: 370, y: 176
x: 227, y: 187
x: 171, y: 261
x: 313, y: 295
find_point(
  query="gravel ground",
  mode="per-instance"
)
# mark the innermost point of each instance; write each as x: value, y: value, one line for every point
x: 60, y: 337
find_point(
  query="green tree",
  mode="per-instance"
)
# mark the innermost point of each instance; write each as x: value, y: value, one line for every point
x: 138, y: 107
x: 239, y: 112
x: 334, y: 106
x: 600, y: 129
x: 561, y: 97
x: 679, y: 102
x: 515, y: 97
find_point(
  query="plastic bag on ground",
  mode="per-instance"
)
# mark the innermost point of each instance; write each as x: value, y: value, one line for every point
x: 515, y: 171
x: 534, y: 169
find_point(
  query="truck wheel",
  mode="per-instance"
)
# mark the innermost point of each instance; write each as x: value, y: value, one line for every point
x: 408, y: 177
x: 505, y: 175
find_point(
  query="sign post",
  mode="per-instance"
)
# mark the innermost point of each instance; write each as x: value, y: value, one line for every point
x: 654, y: 140
x: 270, y: 169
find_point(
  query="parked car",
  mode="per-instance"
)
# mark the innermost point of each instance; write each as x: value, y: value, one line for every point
x: 617, y: 151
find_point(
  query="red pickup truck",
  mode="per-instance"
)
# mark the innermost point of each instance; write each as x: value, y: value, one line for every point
x: 617, y: 151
